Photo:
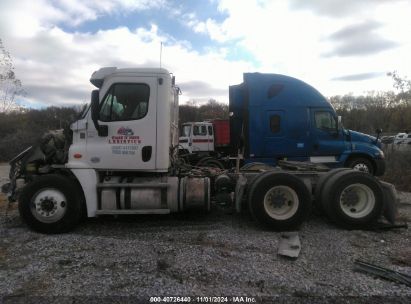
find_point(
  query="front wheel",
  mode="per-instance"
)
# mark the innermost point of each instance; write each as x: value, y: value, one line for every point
x: 50, y: 204
x: 279, y: 201
x: 361, y: 164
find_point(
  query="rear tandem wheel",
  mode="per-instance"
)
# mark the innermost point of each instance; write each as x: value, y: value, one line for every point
x: 279, y: 200
x: 319, y: 187
x: 353, y: 199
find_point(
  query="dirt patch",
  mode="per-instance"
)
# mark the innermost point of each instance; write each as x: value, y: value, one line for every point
x: 402, y: 257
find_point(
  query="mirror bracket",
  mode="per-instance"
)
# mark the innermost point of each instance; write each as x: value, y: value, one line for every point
x: 102, y: 130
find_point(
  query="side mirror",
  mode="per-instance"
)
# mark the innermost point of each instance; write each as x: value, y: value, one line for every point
x: 95, y: 110
x: 95, y: 102
x: 335, y: 132
x: 378, y: 131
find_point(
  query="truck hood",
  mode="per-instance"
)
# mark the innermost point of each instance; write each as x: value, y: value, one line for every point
x: 364, y: 138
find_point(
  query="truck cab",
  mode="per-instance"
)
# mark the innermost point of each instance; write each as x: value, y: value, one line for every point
x: 282, y: 118
x: 197, y: 137
x: 134, y: 108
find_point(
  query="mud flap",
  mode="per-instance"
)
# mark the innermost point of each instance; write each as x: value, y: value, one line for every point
x: 390, y: 211
x: 239, y: 192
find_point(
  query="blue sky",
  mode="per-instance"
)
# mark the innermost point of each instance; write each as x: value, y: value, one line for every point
x: 166, y: 22
x: 338, y: 46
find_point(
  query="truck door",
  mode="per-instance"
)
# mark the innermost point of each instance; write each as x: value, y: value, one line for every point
x: 200, y: 138
x: 327, y: 142
x: 128, y: 109
x: 185, y: 139
x: 210, y: 137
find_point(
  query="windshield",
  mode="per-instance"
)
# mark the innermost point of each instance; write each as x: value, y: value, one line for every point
x: 185, y: 131
x: 84, y: 111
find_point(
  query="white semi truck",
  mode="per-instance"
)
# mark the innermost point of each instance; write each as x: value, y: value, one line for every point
x: 122, y: 158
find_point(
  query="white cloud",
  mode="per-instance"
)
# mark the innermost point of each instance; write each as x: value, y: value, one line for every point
x: 290, y: 37
x: 55, y: 65
x: 23, y: 17
x: 340, y: 8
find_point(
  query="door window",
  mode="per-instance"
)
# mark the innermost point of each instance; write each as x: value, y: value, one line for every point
x: 125, y: 101
x: 275, y: 123
x: 200, y: 130
x: 325, y: 121
x: 210, y: 130
x: 185, y: 131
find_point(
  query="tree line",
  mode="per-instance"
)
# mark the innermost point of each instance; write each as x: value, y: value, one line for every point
x: 21, y: 127
x: 390, y: 111
x: 386, y: 110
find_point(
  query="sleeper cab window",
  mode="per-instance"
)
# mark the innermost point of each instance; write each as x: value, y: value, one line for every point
x: 125, y: 101
x: 274, y: 90
x: 275, y: 123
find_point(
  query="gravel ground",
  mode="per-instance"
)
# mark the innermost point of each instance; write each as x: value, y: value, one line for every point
x: 219, y: 254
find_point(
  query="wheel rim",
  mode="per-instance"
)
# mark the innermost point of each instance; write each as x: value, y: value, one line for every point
x: 281, y: 202
x: 357, y: 200
x: 361, y: 167
x: 48, y: 205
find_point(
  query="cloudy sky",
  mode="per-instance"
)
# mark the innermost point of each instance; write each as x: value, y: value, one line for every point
x: 338, y: 46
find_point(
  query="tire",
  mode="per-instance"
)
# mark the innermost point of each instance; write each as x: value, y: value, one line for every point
x: 286, y: 215
x: 354, y: 199
x: 210, y: 162
x: 50, y: 204
x: 361, y: 164
x: 320, y: 187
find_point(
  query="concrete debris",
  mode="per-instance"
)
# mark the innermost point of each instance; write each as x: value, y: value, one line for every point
x: 290, y: 245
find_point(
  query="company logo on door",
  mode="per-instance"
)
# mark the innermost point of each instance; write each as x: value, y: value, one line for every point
x: 125, y: 131
x: 125, y: 136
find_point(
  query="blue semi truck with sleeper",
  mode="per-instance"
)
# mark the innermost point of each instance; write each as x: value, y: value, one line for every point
x: 275, y: 117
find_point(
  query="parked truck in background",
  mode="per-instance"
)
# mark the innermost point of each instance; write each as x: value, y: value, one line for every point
x: 122, y: 158
x: 206, y: 143
x: 275, y: 117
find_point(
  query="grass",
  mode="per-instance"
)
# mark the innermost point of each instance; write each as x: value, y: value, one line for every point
x: 398, y: 169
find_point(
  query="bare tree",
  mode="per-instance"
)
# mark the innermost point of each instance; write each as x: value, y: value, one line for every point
x: 10, y: 86
x: 403, y: 87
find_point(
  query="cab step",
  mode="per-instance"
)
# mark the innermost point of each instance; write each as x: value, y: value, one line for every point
x: 133, y: 211
x: 132, y: 185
